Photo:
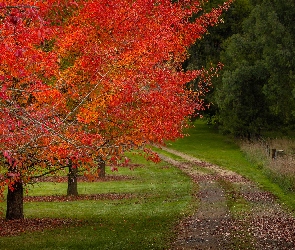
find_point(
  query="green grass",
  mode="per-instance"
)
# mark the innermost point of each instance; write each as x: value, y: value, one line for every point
x: 162, y: 196
x: 165, y: 153
x: 207, y: 144
x: 237, y: 205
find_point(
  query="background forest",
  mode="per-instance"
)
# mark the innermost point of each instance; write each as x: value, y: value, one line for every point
x: 256, y: 88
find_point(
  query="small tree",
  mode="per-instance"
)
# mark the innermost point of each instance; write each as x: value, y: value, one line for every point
x: 23, y: 66
x: 34, y: 140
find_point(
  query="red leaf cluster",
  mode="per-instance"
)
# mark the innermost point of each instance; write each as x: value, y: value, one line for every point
x: 88, y: 79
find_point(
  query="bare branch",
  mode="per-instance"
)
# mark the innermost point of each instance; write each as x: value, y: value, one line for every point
x: 49, y: 172
x: 84, y: 99
x: 19, y: 7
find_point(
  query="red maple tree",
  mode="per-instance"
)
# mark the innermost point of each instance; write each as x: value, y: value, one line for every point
x: 125, y: 68
x: 87, y: 80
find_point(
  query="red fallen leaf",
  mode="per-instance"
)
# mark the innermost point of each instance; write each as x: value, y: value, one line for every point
x: 113, y: 169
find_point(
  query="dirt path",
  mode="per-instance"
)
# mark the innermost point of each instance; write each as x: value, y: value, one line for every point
x: 233, y: 213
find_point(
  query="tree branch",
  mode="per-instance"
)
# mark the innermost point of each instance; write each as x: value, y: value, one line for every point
x: 49, y: 172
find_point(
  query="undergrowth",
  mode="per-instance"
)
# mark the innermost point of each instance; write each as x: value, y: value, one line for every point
x: 279, y: 169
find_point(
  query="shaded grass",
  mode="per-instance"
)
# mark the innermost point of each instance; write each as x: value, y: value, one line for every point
x: 163, y: 195
x: 207, y: 144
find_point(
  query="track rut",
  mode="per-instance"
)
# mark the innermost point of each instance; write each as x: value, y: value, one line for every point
x: 232, y: 212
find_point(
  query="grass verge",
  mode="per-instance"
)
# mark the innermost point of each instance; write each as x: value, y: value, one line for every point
x: 207, y: 144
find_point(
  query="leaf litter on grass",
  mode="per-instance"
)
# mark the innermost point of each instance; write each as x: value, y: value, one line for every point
x: 63, y: 198
x: 16, y: 227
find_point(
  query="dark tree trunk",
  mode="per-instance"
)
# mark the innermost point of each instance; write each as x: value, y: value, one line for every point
x: 72, y: 181
x: 102, y: 167
x: 15, y: 196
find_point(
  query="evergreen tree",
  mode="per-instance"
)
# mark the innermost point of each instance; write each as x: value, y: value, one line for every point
x: 258, y: 83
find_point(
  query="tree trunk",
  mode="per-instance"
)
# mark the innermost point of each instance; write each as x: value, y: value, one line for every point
x: 15, y: 196
x: 102, y: 167
x: 72, y: 181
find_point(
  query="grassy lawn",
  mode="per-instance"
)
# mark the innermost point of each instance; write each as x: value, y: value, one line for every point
x: 161, y: 195
x: 207, y: 144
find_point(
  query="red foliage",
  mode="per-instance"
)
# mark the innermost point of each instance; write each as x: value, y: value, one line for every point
x: 87, y: 79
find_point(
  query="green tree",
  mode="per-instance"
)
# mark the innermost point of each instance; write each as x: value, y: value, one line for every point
x: 257, y: 90
x: 206, y: 52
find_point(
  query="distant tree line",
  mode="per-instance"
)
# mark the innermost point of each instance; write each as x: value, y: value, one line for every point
x: 255, y: 91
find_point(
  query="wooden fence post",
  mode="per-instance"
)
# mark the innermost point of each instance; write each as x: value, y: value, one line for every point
x: 273, y: 153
